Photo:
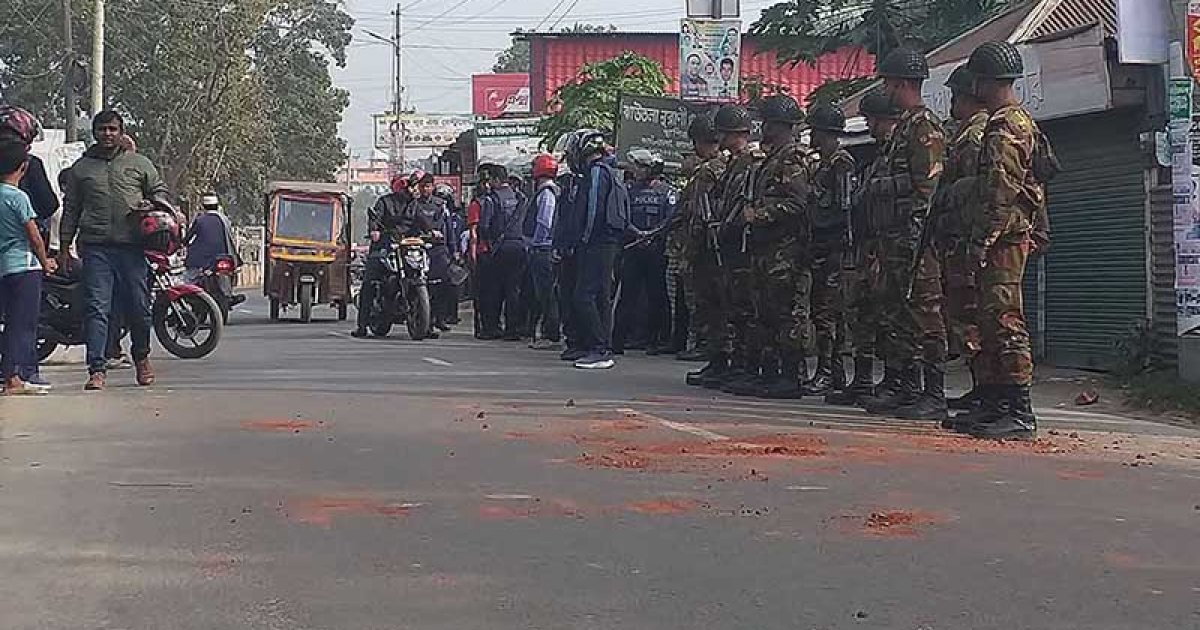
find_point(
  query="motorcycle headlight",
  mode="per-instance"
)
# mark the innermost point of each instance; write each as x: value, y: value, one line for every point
x: 414, y: 257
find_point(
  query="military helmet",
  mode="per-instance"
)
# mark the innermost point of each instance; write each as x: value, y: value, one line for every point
x: 904, y: 63
x: 961, y: 81
x: 781, y: 108
x: 731, y: 118
x: 878, y: 104
x: 827, y: 117
x: 702, y: 129
x: 996, y: 60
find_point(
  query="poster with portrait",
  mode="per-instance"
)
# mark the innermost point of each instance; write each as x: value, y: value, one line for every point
x: 709, y: 59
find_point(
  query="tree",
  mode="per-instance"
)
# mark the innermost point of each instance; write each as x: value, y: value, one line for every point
x: 803, y: 30
x: 223, y: 95
x: 590, y: 99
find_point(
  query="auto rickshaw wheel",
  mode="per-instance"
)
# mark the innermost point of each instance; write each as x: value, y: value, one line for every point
x: 274, y: 310
x: 343, y: 311
x: 307, y: 292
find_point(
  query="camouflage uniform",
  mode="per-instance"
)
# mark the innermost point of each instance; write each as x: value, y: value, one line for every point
x: 831, y: 192
x: 864, y: 298
x: 955, y: 210
x: 741, y: 318
x: 915, y: 331
x: 1013, y: 210
x: 780, y: 235
x: 700, y: 211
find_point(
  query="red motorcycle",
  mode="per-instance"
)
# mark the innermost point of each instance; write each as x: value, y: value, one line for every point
x: 186, y: 319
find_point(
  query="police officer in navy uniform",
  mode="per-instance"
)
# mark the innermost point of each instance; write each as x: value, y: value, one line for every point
x: 501, y: 225
x: 644, y: 264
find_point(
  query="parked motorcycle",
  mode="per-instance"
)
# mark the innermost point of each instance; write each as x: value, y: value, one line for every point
x: 403, y: 295
x: 217, y: 281
x: 186, y: 319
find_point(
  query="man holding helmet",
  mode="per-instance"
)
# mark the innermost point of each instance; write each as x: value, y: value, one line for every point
x: 644, y: 265
x: 108, y: 187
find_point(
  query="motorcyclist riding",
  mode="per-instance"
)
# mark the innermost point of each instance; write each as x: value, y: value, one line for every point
x: 390, y: 219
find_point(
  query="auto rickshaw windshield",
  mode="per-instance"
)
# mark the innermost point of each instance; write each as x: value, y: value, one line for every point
x: 305, y: 220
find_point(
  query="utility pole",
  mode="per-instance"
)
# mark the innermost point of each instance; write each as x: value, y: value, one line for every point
x: 98, y: 59
x: 69, y: 75
x: 398, y: 106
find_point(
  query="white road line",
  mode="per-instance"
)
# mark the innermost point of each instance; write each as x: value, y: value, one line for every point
x: 678, y: 426
x: 437, y: 361
x: 243, y: 310
x: 334, y: 333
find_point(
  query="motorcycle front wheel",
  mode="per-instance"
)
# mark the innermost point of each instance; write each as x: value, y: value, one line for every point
x: 418, y: 313
x: 189, y: 327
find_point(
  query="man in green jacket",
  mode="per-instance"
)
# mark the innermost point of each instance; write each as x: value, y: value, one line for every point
x: 107, y: 185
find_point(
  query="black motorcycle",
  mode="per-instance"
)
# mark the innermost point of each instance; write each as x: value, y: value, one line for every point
x: 402, y: 296
x: 217, y: 281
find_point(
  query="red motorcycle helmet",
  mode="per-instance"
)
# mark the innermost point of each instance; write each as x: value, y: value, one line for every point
x: 160, y: 232
x: 19, y: 123
x: 544, y: 165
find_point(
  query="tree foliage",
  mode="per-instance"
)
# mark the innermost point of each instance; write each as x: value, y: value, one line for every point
x: 590, y: 99
x: 803, y: 30
x: 221, y: 95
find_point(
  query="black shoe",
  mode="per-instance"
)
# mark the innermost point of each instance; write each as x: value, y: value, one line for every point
x: 849, y: 397
x: 752, y: 384
x: 966, y: 402
x: 442, y: 326
x: 1013, y: 417
x: 433, y: 334
x: 905, y: 393
x: 733, y: 375
x: 985, y: 410
x: 715, y: 369
x: 489, y: 335
x: 656, y: 349
x: 785, y: 384
x: 360, y: 333
x: 822, y: 380
x: 572, y: 354
x: 511, y: 337
x: 926, y: 407
x: 691, y: 355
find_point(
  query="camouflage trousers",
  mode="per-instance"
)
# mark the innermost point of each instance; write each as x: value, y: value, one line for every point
x: 960, y: 277
x: 914, y: 326
x: 710, y: 317
x: 742, y: 321
x: 681, y: 297
x: 828, y: 305
x: 1006, y: 354
x: 782, y: 289
x: 863, y: 299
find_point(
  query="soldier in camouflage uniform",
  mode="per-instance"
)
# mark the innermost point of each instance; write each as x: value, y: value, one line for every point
x: 864, y: 291
x: 698, y: 230
x: 912, y: 288
x: 1011, y: 222
x: 832, y: 186
x: 777, y: 231
x: 732, y: 123
x: 954, y: 210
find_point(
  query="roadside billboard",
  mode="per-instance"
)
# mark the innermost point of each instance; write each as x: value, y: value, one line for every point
x: 420, y: 130
x: 511, y: 142
x: 710, y: 54
x: 494, y: 95
x: 660, y: 125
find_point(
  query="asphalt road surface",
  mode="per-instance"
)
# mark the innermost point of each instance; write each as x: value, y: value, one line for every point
x: 301, y: 479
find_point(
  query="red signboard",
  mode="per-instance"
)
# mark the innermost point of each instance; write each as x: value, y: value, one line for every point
x: 1193, y: 37
x: 495, y: 94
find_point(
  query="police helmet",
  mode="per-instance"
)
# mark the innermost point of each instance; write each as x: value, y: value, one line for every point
x: 781, y: 108
x: 731, y: 118
x: 997, y: 60
x: 827, y: 117
x: 904, y: 63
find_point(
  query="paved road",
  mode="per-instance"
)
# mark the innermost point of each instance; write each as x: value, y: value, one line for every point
x: 300, y: 479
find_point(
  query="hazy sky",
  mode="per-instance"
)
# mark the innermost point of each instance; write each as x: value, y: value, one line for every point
x: 441, y: 52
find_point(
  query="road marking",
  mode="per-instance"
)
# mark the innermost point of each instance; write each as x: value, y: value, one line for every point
x: 437, y: 361
x: 334, y: 333
x: 509, y: 497
x: 243, y: 310
x: 806, y: 488
x: 682, y: 427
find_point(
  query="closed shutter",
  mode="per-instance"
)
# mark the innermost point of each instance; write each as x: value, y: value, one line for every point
x: 1095, y: 271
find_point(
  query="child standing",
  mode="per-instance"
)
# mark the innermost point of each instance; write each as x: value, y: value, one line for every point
x: 22, y: 262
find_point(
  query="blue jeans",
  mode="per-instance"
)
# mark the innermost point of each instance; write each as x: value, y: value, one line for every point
x: 545, y: 294
x: 593, y: 295
x: 20, y: 302
x: 115, y: 277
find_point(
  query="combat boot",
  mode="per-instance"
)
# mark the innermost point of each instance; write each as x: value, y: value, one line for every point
x: 758, y: 378
x: 821, y: 382
x: 983, y: 411
x: 967, y: 401
x: 771, y: 375
x: 1013, y: 420
x: 907, y: 388
x: 737, y: 378
x: 931, y: 404
x: 837, y: 365
x: 886, y: 387
x: 716, y: 366
x: 862, y: 386
x: 787, y: 385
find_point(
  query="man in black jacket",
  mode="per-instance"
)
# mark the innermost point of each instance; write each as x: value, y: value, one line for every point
x: 391, y: 217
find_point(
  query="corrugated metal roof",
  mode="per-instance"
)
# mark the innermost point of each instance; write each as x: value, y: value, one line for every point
x: 1072, y: 14
x: 557, y: 58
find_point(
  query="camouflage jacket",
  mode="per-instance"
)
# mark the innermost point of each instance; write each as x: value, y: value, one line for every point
x: 956, y: 206
x: 862, y: 207
x: 1012, y: 200
x: 833, y: 185
x: 734, y: 192
x: 700, y: 206
x: 781, y: 195
x: 914, y: 165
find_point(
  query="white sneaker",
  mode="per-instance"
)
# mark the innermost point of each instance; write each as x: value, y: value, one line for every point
x: 596, y: 361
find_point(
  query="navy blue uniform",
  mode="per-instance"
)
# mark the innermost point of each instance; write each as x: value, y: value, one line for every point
x: 642, y: 314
